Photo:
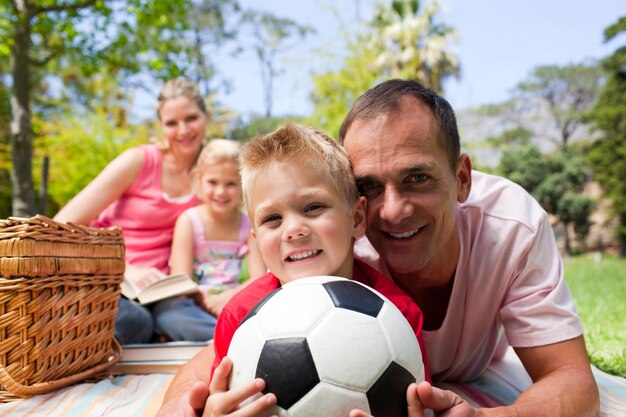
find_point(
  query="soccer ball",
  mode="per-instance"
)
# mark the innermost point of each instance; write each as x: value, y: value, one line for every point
x: 326, y: 345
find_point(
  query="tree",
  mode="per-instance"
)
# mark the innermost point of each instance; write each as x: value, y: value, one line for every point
x: 608, y: 154
x: 568, y: 92
x: 334, y: 91
x: 272, y: 35
x: 81, y: 37
x: 556, y: 181
x: 410, y: 43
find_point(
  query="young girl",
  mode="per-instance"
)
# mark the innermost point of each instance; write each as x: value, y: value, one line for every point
x: 210, y: 242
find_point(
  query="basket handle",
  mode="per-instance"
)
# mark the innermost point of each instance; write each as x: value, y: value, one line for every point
x: 15, y: 388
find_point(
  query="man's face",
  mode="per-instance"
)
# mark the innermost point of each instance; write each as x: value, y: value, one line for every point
x: 410, y: 187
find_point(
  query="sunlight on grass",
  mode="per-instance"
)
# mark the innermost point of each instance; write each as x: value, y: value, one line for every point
x: 599, y: 289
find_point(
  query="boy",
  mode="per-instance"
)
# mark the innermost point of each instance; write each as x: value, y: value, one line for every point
x: 306, y: 213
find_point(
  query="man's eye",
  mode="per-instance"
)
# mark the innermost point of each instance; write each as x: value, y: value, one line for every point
x: 416, y: 178
x: 366, y: 187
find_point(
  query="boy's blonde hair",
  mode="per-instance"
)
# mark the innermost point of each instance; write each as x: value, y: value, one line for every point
x: 218, y: 151
x: 293, y: 143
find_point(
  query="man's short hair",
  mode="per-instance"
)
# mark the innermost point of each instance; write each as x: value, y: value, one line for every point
x: 386, y: 97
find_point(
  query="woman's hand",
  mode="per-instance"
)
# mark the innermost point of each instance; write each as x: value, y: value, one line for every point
x: 141, y: 277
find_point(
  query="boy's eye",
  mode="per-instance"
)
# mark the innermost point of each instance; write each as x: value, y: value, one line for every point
x: 314, y: 207
x: 270, y: 219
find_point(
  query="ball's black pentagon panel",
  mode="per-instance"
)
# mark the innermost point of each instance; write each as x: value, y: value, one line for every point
x: 288, y: 369
x: 353, y: 296
x: 387, y: 397
x: 258, y: 305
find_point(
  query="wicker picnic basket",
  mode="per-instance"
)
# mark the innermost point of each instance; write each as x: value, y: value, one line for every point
x: 59, y: 286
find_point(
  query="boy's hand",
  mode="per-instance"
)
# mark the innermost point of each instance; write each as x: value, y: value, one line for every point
x: 415, y: 407
x: 223, y: 402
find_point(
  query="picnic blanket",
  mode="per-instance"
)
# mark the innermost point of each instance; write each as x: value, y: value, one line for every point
x: 141, y: 395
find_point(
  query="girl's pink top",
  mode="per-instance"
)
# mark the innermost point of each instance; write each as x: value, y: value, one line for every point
x: 146, y: 217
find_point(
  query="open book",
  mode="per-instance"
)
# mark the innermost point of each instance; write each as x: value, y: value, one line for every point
x: 170, y: 286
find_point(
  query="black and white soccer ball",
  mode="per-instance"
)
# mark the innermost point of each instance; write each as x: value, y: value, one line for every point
x: 326, y: 345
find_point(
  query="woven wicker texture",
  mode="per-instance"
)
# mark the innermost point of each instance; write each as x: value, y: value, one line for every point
x: 59, y: 286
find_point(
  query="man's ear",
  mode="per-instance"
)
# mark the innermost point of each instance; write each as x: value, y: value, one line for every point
x: 360, y: 218
x: 463, y: 177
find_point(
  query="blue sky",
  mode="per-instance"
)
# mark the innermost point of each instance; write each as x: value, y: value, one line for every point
x: 500, y: 42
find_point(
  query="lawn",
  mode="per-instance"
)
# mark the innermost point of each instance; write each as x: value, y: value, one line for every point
x: 599, y: 289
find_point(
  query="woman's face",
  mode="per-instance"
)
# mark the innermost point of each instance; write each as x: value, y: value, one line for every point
x: 184, y: 124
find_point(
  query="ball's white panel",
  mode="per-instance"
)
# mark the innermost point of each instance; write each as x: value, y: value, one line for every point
x: 293, y: 311
x: 402, y: 340
x: 329, y: 400
x: 244, y: 350
x: 349, y: 349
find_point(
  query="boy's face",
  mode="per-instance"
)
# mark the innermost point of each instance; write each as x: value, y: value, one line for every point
x: 301, y: 223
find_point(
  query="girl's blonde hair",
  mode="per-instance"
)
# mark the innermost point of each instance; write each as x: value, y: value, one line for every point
x: 218, y: 151
x: 294, y: 143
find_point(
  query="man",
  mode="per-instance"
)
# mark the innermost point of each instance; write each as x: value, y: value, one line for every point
x: 475, y: 252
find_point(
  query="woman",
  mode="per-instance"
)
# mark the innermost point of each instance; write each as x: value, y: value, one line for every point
x: 143, y: 191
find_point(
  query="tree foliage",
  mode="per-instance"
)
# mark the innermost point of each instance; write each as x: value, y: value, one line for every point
x: 608, y: 154
x: 556, y: 181
x: 568, y: 92
x: 401, y: 40
x: 271, y: 36
x: 335, y: 91
x: 410, y: 43
x: 74, y: 39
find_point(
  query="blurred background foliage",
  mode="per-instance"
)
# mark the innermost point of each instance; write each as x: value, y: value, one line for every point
x: 70, y: 71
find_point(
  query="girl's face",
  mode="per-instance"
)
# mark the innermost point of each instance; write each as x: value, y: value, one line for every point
x: 220, y: 187
x: 184, y: 124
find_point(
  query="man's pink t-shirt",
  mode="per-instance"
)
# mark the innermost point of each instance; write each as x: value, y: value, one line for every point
x: 508, y: 283
x: 147, y: 219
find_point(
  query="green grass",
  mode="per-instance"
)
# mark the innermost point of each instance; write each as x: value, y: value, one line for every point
x: 599, y: 290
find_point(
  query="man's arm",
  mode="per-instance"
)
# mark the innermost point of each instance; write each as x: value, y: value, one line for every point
x: 563, y: 386
x: 180, y: 399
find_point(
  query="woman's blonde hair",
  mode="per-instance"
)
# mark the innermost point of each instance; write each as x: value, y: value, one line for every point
x: 291, y: 142
x: 180, y: 87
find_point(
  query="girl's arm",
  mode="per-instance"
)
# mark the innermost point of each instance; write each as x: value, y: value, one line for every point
x: 256, y: 265
x: 107, y: 187
x: 181, y: 258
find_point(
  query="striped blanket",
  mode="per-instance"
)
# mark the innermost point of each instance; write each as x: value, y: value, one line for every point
x: 141, y: 395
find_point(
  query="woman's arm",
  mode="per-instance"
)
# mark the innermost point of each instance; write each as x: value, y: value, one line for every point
x: 181, y: 258
x: 108, y: 186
